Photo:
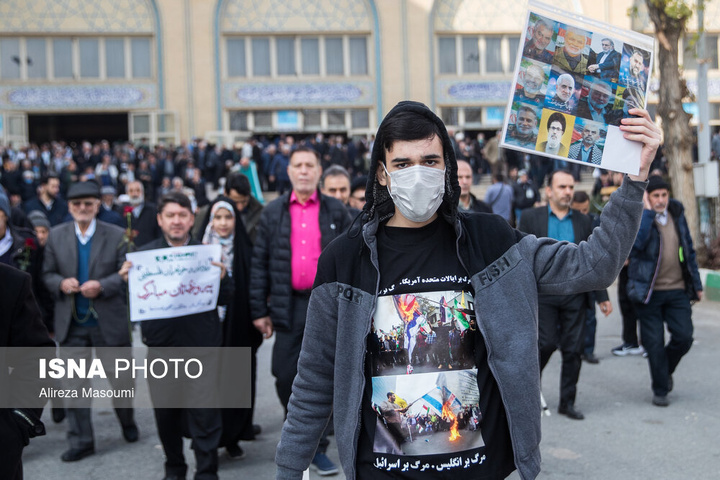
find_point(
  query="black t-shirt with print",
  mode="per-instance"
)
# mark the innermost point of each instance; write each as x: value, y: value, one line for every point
x: 431, y: 407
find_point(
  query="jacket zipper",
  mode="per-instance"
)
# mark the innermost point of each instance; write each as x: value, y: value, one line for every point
x: 356, y: 436
x: 657, y: 269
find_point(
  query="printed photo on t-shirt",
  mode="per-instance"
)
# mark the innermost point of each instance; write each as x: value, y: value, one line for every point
x: 424, y: 385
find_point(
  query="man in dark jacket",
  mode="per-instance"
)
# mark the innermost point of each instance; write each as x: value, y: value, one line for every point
x: 292, y: 232
x: 663, y: 279
x: 143, y: 219
x: 48, y: 201
x: 20, y: 326
x: 203, y: 425
x: 415, y: 264
x: 562, y: 317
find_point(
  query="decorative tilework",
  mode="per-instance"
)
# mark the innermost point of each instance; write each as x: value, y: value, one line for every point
x: 485, y: 16
x: 79, y: 97
x: 76, y: 16
x: 243, y: 95
x: 464, y: 92
x: 295, y: 16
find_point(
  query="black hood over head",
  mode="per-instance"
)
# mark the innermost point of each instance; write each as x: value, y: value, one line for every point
x: 378, y: 200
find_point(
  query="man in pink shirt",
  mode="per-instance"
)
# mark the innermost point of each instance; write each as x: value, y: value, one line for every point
x: 293, y: 230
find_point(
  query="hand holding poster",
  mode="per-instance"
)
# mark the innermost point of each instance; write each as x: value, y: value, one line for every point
x: 173, y: 282
x: 575, y: 80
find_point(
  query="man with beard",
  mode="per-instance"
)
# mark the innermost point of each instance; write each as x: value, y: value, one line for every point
x: 47, y: 201
x: 564, y: 89
x: 596, y: 105
x: 533, y: 80
x: 586, y: 149
x: 535, y: 48
x: 143, y: 218
x: 570, y: 57
x: 607, y: 63
x: 523, y: 132
x: 556, y: 125
x: 636, y: 68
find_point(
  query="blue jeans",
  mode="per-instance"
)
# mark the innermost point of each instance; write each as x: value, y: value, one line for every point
x: 671, y: 307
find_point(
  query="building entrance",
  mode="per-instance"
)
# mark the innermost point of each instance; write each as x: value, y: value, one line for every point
x: 92, y: 127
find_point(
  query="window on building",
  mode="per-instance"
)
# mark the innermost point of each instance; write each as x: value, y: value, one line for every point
x: 473, y: 115
x: 470, y: 55
x: 312, y: 119
x: 235, y: 57
x: 115, y: 57
x: 447, y: 55
x: 690, y: 61
x: 493, y: 55
x: 477, y: 55
x: 334, y: 58
x: 239, y: 120
x: 449, y: 115
x: 36, y: 49
x: 336, y: 118
x: 10, y: 61
x: 298, y: 56
x: 285, y: 55
x: 89, y: 58
x: 141, y: 64
x: 514, y: 46
x: 261, y: 57
x: 360, y: 118
x: 358, y: 56
x: 62, y: 58
x: 263, y: 119
x: 310, y: 52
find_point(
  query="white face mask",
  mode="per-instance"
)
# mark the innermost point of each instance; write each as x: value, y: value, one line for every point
x: 417, y: 191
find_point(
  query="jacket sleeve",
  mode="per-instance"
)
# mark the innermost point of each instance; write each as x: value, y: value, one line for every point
x: 690, y: 257
x: 50, y: 274
x: 259, y: 267
x: 312, y: 392
x: 113, y: 284
x: 648, y: 216
x: 563, y: 268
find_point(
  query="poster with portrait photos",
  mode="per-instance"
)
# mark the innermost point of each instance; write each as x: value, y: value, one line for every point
x: 575, y: 80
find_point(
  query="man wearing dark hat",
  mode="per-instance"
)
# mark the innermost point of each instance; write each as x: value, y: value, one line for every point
x: 106, y: 212
x: 663, y: 280
x: 80, y: 268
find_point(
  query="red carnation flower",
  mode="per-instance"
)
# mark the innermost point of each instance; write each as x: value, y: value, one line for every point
x: 30, y: 243
x: 127, y: 209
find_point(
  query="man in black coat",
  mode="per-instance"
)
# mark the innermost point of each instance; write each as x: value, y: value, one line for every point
x: 143, y: 219
x: 293, y: 229
x: 561, y: 318
x: 203, y: 329
x: 20, y: 326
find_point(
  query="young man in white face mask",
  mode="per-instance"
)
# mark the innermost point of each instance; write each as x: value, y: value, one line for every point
x: 439, y: 308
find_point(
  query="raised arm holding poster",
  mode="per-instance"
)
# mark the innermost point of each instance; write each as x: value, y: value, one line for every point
x: 575, y: 80
x: 173, y: 282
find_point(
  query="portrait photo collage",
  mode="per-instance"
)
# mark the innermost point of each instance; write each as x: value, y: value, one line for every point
x: 572, y: 88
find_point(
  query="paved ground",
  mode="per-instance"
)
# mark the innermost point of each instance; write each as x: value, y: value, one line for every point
x: 623, y: 436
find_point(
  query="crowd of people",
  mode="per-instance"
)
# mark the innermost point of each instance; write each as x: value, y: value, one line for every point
x: 68, y: 215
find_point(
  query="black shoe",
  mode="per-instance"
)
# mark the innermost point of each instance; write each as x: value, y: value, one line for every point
x: 174, y: 477
x: 590, y: 358
x: 570, y: 411
x: 660, y: 400
x: 234, y: 451
x: 130, y: 433
x: 257, y: 429
x: 671, y: 384
x: 58, y: 415
x: 75, y: 454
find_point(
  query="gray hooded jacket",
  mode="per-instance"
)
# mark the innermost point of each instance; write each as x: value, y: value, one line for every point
x: 508, y: 270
